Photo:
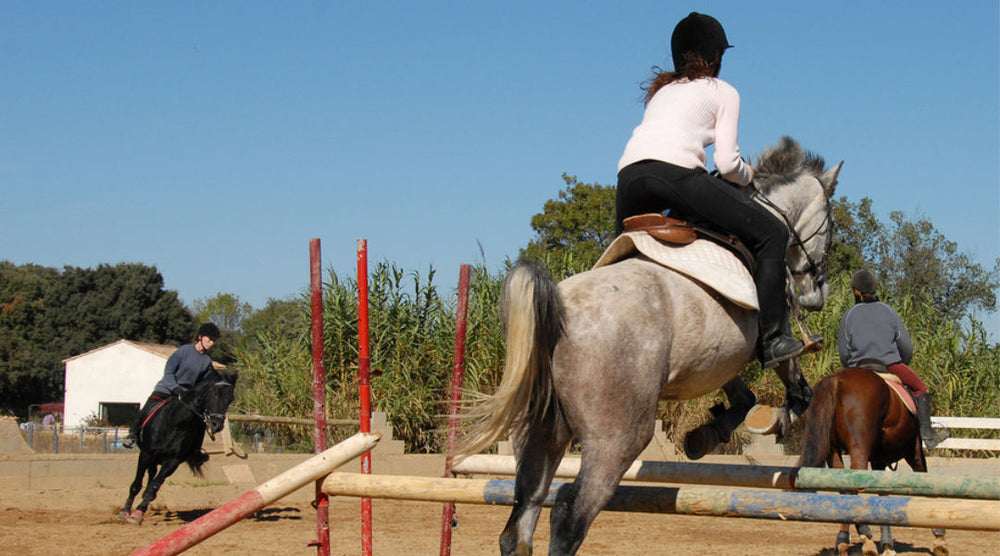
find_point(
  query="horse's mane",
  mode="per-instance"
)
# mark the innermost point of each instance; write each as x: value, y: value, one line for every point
x: 784, y: 163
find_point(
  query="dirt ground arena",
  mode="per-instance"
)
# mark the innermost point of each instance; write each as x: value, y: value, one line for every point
x: 49, y: 507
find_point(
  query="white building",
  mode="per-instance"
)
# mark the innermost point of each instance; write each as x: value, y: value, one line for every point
x: 112, y: 381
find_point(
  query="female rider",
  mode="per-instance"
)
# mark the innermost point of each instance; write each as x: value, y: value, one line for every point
x: 663, y: 167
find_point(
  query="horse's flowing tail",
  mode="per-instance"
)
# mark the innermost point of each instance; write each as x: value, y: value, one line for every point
x: 195, y: 461
x: 817, y: 441
x: 532, y: 315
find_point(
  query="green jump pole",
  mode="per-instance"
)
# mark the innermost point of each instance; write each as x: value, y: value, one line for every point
x: 769, y: 476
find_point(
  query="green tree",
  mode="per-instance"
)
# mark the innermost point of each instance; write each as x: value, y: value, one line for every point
x: 911, y: 258
x: 51, y: 315
x: 857, y: 235
x: 275, y: 316
x: 224, y: 309
x: 574, y: 229
x: 24, y: 335
x: 919, y: 260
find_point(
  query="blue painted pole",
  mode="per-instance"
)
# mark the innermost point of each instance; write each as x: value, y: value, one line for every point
x: 909, y: 511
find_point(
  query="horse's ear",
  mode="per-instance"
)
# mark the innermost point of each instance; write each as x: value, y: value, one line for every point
x: 829, y: 179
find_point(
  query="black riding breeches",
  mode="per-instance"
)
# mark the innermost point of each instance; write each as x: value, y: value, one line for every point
x: 652, y: 186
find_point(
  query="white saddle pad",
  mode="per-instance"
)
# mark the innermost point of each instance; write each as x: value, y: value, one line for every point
x: 702, y: 260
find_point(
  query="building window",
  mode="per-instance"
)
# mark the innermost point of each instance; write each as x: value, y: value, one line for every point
x: 118, y: 414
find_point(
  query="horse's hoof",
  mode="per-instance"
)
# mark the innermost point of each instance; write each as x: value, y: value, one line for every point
x: 763, y: 419
x: 868, y: 547
x: 888, y: 552
x: 700, y: 441
x: 842, y: 549
x: 122, y: 516
x: 136, y: 517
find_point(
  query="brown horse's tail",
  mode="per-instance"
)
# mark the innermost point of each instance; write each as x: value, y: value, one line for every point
x: 532, y: 315
x: 817, y: 440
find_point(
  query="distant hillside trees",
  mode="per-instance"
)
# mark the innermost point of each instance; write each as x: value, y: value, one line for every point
x: 47, y: 315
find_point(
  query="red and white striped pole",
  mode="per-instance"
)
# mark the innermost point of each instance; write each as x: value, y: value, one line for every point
x: 457, y: 374
x: 319, y: 394
x: 364, y: 389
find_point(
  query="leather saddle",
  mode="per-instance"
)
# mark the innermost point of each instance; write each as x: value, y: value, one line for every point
x: 894, y: 382
x: 675, y: 231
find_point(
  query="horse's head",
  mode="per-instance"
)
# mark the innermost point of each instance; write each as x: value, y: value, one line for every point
x: 214, y: 394
x: 795, y: 185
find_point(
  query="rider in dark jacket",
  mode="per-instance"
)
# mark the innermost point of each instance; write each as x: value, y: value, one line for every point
x: 871, y: 332
x: 184, y: 368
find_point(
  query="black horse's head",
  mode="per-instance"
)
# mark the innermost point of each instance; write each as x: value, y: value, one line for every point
x: 212, y: 398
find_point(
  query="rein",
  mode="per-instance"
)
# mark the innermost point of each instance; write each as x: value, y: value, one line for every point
x: 818, y: 270
x: 813, y: 268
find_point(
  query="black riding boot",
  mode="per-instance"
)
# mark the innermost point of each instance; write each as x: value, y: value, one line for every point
x: 133, y: 430
x: 776, y: 341
x: 930, y: 436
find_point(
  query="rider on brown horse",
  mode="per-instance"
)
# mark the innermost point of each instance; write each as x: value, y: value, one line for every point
x: 872, y: 335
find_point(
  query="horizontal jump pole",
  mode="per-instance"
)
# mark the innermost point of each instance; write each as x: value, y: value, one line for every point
x: 769, y: 476
x: 290, y: 420
x: 266, y: 493
x: 976, y: 515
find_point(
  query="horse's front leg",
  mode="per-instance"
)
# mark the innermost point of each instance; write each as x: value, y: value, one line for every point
x: 798, y: 394
x: 918, y: 463
x: 705, y: 438
x: 140, y: 470
x: 167, y: 469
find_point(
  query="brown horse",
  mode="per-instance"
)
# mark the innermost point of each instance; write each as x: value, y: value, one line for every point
x: 855, y: 411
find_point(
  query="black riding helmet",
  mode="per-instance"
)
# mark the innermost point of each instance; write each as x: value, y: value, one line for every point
x: 698, y: 33
x: 864, y: 281
x: 209, y: 330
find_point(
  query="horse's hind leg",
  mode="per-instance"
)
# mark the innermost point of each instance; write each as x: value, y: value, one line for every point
x: 705, y: 438
x: 918, y: 463
x: 604, y: 462
x: 539, y: 451
x: 861, y: 453
x: 167, y: 469
x: 886, y: 543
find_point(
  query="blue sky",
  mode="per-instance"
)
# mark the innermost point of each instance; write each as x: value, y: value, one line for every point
x: 214, y: 139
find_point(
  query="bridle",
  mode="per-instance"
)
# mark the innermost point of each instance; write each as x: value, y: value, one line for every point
x: 816, y: 269
x: 205, y: 415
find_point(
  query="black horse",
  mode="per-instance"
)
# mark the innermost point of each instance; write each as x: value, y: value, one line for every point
x: 172, y: 434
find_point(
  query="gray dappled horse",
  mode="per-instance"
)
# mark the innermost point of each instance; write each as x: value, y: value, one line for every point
x: 590, y: 358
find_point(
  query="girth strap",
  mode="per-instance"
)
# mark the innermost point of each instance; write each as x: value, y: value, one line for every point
x: 163, y: 402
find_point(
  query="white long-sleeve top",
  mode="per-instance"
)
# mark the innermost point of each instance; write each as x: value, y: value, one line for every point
x: 682, y: 119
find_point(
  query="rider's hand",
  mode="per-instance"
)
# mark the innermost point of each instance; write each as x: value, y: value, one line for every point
x: 185, y: 394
